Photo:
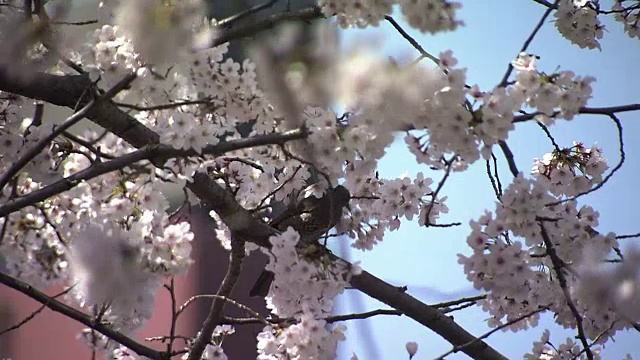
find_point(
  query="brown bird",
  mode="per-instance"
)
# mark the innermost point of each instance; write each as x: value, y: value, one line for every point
x: 311, y: 218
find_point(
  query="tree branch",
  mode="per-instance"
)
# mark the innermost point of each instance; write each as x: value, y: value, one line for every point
x: 35, y: 150
x: 216, y: 312
x: 249, y: 30
x: 81, y: 317
x: 488, y: 333
x: 68, y: 91
x: 244, y: 225
x: 585, y: 110
x: 558, y: 264
x: 147, y: 153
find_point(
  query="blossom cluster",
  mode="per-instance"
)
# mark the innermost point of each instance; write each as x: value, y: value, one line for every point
x: 570, y: 171
x: 516, y: 251
x: 108, y: 55
x: 378, y: 205
x: 577, y: 21
x: 629, y: 15
x: 427, y: 16
x: 303, y: 289
x: 545, y: 93
x: 543, y: 349
x: 76, y: 236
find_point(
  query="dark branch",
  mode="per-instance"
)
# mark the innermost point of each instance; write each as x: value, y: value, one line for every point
x: 527, y: 42
x: 81, y: 317
x: 306, y: 14
x: 558, y: 265
x: 147, y: 153
x: 216, y: 315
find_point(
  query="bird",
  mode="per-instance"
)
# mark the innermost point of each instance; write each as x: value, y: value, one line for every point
x: 310, y: 217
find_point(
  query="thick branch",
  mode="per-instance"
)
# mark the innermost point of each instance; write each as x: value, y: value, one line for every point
x: 426, y: 315
x: 69, y: 91
x: 249, y: 30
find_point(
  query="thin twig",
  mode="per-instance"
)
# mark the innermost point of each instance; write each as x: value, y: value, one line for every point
x: 76, y: 23
x: 496, y: 175
x: 411, y: 40
x: 455, y: 349
x: 165, y: 106
x: 32, y: 315
x: 434, y: 195
x: 546, y: 3
x: 628, y: 236
x: 224, y: 298
x: 459, y: 301
x: 81, y: 317
x: 458, y: 308
x: 622, y: 153
x: 174, y: 315
x: 329, y: 319
x: 558, y: 264
x: 364, y: 315
x: 494, y: 186
x: 527, y: 42
x: 548, y: 133
x: 584, y: 110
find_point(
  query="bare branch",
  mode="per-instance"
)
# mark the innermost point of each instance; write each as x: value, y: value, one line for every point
x: 546, y: 3
x: 411, y: 40
x: 32, y: 315
x: 81, y: 317
x: 628, y: 236
x: 447, y: 304
x: 434, y: 195
x: 508, y: 155
x: 259, y: 318
x: 584, y: 110
x: 216, y: 312
x: 364, y: 315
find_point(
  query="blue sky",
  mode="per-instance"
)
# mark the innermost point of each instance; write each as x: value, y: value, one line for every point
x: 425, y: 259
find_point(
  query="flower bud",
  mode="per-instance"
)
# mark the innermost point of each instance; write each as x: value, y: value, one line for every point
x: 412, y: 348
